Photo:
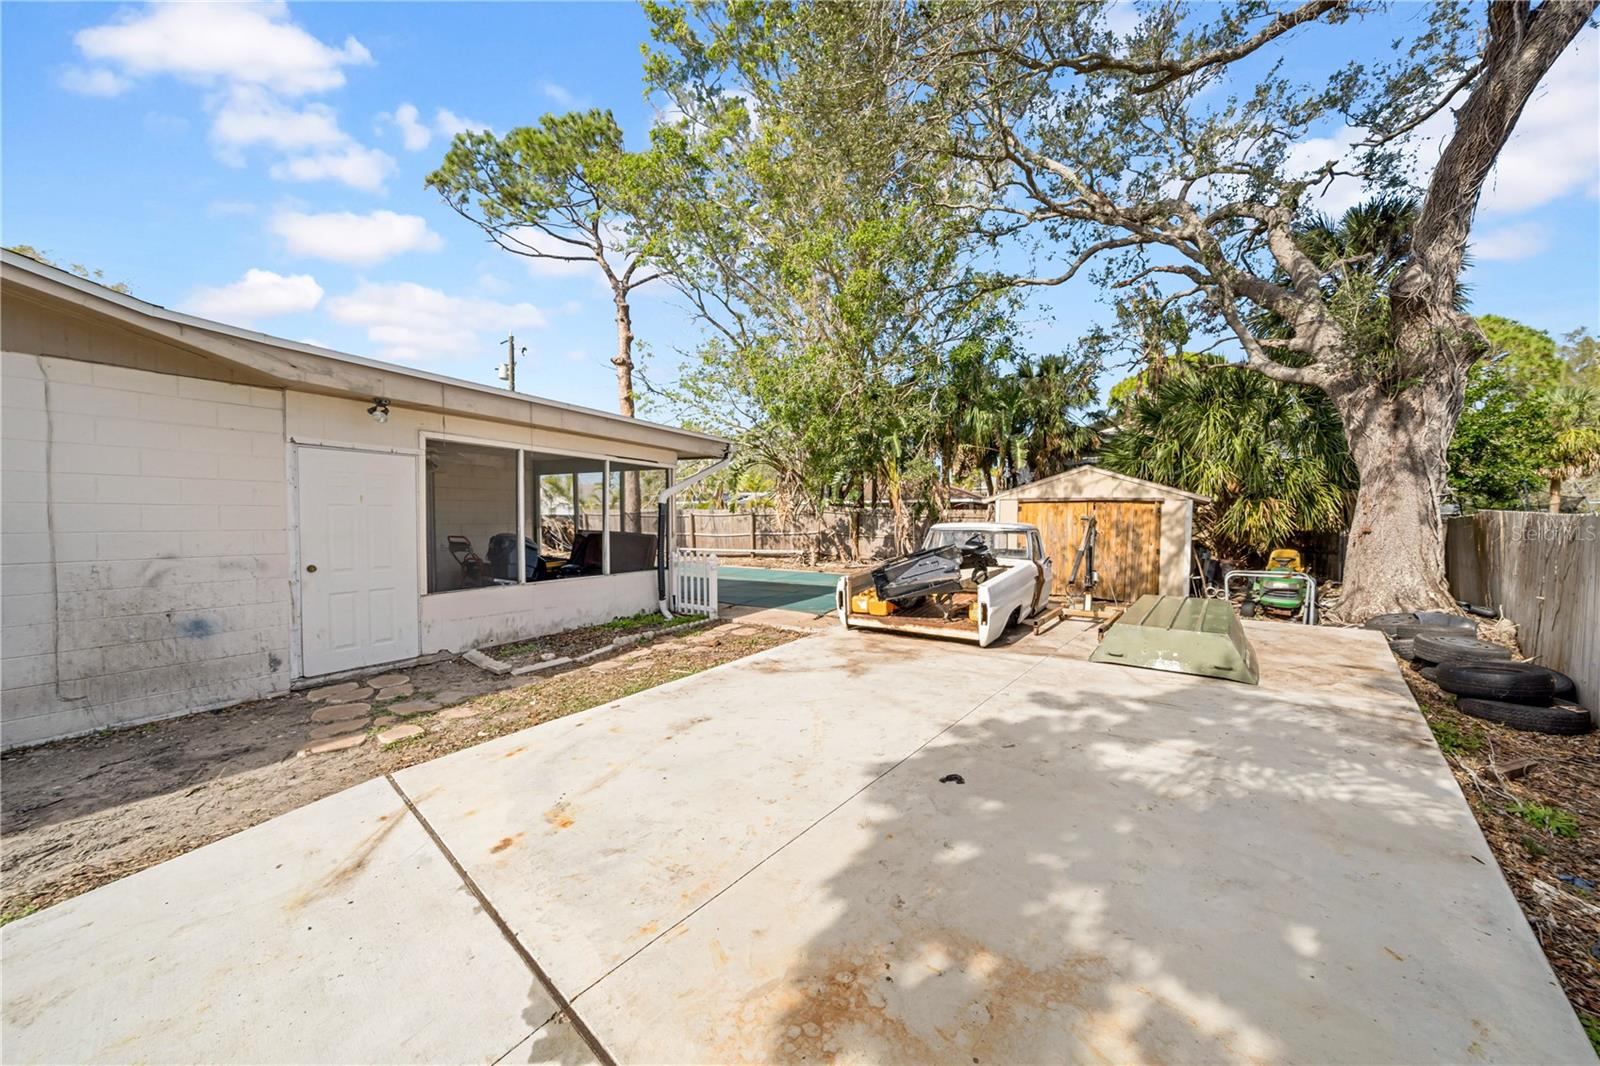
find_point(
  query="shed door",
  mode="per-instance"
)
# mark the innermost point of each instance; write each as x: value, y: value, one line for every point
x: 1127, y: 549
x: 358, y: 559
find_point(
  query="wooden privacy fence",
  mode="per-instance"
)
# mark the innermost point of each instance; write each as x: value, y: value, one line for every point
x: 865, y: 533
x: 1542, y: 571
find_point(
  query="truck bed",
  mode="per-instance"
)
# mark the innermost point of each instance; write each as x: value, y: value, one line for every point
x: 927, y: 619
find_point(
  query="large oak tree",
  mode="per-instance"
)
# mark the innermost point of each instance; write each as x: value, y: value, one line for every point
x: 1180, y: 150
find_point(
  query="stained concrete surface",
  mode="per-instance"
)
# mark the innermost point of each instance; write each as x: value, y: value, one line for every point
x: 335, y: 933
x: 761, y: 863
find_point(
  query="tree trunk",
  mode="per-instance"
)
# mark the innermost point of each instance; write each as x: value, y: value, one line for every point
x: 1555, y: 494
x: 1395, y: 559
x: 632, y: 519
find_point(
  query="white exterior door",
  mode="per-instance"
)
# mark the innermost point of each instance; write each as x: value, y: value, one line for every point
x: 358, y: 559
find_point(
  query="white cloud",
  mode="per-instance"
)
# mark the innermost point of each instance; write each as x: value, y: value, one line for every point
x: 527, y: 237
x: 345, y: 237
x: 211, y: 43
x: 165, y: 124
x: 249, y: 116
x: 414, y: 134
x: 415, y: 324
x: 254, y: 61
x: 1520, y: 241
x: 1555, y: 149
x: 259, y: 294
x: 94, y: 82
x: 448, y: 123
x: 354, y: 165
x: 558, y: 93
x: 229, y: 208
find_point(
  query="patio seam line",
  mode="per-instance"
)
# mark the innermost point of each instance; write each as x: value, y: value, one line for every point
x: 563, y: 1006
x: 1040, y: 661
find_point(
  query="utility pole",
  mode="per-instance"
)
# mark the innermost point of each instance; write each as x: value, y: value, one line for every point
x: 508, y: 369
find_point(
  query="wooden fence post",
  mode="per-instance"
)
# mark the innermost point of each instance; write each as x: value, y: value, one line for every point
x: 752, y: 531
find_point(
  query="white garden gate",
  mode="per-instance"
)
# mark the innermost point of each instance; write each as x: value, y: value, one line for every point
x: 694, y: 583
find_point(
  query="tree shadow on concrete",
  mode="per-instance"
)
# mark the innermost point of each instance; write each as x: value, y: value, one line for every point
x: 1203, y: 874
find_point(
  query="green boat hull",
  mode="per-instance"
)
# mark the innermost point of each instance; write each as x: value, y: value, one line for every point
x: 1182, y: 635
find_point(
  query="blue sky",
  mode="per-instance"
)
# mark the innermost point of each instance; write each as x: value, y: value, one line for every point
x: 263, y: 165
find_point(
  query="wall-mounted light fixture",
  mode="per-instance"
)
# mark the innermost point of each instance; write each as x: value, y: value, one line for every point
x: 379, y: 409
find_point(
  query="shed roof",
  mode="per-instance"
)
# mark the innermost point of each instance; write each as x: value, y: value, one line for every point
x: 1063, y: 482
x: 277, y: 362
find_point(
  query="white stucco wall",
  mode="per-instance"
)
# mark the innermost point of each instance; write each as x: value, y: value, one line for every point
x: 145, y: 553
x: 148, y: 556
x: 471, y: 618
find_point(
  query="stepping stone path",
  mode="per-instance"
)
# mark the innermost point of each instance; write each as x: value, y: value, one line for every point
x: 640, y: 666
x: 321, y: 747
x: 337, y: 729
x: 451, y: 695
x: 387, y: 680
x: 410, y: 707
x: 384, y: 719
x: 741, y: 631
x: 607, y: 666
x: 637, y: 654
x: 466, y: 710
x: 702, y: 639
x: 340, y: 712
x: 341, y: 693
x: 398, y: 733
x: 393, y: 692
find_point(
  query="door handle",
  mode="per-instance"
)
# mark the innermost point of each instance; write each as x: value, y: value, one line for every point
x: 311, y: 569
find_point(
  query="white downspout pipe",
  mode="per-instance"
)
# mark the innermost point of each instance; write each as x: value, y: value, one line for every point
x: 663, y: 527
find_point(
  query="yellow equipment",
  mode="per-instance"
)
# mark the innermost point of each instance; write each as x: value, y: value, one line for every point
x: 1284, y: 559
x: 868, y: 603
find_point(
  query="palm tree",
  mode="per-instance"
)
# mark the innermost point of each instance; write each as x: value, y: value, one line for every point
x: 1271, y: 456
x: 1574, y: 412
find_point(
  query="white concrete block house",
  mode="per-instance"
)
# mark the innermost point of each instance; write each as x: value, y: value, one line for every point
x: 196, y: 515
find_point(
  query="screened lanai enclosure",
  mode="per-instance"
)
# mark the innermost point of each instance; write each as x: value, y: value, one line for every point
x: 575, y: 516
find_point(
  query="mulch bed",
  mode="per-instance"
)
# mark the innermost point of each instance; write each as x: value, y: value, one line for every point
x: 575, y: 642
x: 1487, y: 760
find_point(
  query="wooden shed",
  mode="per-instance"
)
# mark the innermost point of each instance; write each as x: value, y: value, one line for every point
x: 1144, y: 528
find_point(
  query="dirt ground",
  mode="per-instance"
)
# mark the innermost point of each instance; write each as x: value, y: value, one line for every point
x: 80, y: 813
x: 1564, y: 776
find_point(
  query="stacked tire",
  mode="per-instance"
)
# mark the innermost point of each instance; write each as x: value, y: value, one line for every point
x: 1486, y: 683
x: 1524, y: 696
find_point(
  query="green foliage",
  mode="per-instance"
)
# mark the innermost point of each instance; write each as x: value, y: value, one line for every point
x: 1125, y: 391
x: 1591, y: 1029
x: 1455, y: 740
x: 86, y: 273
x: 857, y: 349
x: 21, y: 912
x: 1580, y: 351
x: 1271, y: 457
x: 1527, y: 354
x: 1529, y: 421
x: 1552, y: 820
x: 1504, y: 431
x: 649, y: 620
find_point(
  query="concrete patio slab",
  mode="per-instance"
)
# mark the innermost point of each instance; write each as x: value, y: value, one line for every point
x: 1138, y: 867
x: 763, y: 863
x: 594, y: 833
x: 336, y: 933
